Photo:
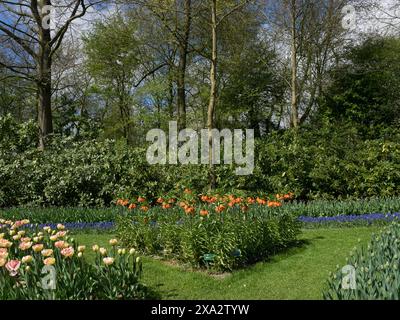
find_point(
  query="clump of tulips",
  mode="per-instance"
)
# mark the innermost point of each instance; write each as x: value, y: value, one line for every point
x: 49, y: 264
x: 371, y: 272
x: 192, y: 204
x: 226, y: 235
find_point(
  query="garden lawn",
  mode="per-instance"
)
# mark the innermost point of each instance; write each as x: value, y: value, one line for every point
x: 298, y: 273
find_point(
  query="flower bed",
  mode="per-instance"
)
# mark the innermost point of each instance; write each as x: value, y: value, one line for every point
x: 222, y: 233
x: 50, y: 264
x: 85, y: 218
x: 189, y: 201
x: 375, y: 270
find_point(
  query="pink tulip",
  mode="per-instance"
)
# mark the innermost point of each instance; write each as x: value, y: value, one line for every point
x: 68, y: 252
x: 3, y: 253
x: 12, y: 266
x: 60, y: 244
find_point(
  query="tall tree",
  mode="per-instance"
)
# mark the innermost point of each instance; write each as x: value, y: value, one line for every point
x: 119, y: 64
x: 364, y: 88
x: 31, y: 37
x: 183, y: 48
x: 176, y: 19
x: 218, y: 15
x: 313, y: 33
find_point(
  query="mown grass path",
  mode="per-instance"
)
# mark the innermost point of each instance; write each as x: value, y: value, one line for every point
x: 299, y: 273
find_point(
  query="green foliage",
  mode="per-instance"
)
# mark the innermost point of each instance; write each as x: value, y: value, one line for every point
x: 69, y: 173
x: 376, y: 270
x: 364, y: 90
x: 329, y: 163
x: 231, y: 239
x: 61, y: 214
x: 252, y: 91
x: 16, y: 137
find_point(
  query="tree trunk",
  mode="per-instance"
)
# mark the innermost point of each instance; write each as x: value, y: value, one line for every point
x: 183, y: 53
x: 45, y: 117
x: 213, y: 91
x: 181, y: 94
x: 294, y: 112
x: 125, y: 116
x: 254, y: 122
x: 170, y: 92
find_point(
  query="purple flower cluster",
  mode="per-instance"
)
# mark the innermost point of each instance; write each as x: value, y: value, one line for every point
x: 366, y: 218
x: 78, y: 225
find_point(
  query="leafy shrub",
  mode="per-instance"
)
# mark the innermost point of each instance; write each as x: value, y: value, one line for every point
x: 87, y: 173
x: 327, y: 163
x: 324, y: 163
x: 377, y: 274
x: 24, y: 254
x: 222, y: 241
x: 16, y: 137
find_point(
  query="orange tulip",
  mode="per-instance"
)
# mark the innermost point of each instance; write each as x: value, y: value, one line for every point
x: 166, y: 206
x: 261, y: 201
x: 204, y: 213
x: 273, y: 204
x: 122, y: 202
x: 182, y: 204
x: 189, y: 210
x: 212, y: 200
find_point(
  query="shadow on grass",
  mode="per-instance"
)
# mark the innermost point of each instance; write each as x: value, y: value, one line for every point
x: 159, y: 292
x: 295, y: 248
x: 153, y: 293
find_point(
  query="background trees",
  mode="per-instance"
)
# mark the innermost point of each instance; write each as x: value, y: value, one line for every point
x: 364, y: 88
x: 154, y: 56
x: 270, y: 66
x: 30, y: 41
x: 311, y: 34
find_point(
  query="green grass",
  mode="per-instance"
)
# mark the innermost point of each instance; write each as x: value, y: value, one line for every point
x: 299, y: 273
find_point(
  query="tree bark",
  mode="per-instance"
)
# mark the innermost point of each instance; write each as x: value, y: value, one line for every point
x: 45, y: 118
x: 294, y: 112
x: 181, y: 77
x: 213, y: 90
